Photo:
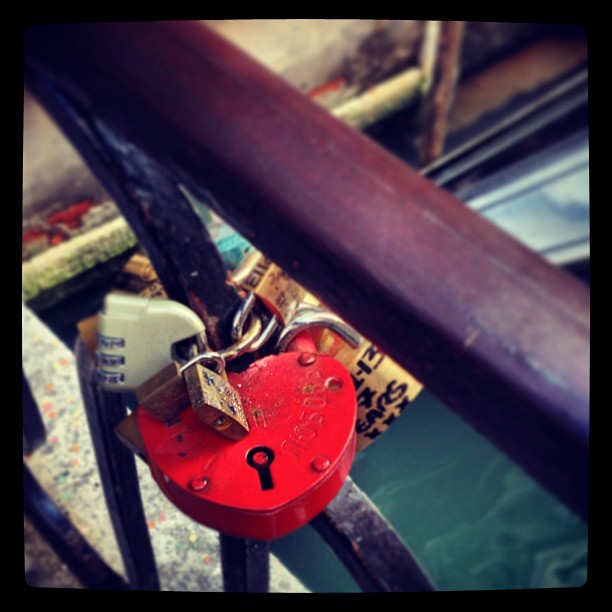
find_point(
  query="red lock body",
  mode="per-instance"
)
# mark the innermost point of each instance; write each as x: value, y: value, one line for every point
x: 301, y: 411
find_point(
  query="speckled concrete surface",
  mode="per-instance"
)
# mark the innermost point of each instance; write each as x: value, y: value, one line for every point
x: 187, y: 554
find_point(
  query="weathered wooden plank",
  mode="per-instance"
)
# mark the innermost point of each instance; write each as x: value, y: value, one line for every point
x: 65, y: 261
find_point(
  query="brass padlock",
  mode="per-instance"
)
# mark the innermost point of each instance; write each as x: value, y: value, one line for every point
x: 214, y: 400
x: 271, y: 284
x: 164, y: 395
x: 384, y: 389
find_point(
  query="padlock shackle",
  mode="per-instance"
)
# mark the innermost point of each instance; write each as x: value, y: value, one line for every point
x: 308, y: 317
x: 206, y: 358
x: 240, y: 318
x: 243, y: 345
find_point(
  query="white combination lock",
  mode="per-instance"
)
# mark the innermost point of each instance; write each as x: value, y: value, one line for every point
x: 136, y: 336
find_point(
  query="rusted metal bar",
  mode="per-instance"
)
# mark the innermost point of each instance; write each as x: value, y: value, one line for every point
x: 118, y: 476
x: 442, y: 90
x: 34, y: 432
x: 371, y: 550
x: 246, y: 565
x: 495, y: 332
x: 67, y: 542
x: 189, y: 264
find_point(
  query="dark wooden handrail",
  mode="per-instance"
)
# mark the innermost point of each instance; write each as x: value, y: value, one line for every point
x: 495, y: 332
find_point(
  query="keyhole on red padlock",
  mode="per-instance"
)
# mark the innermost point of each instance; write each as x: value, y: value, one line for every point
x: 260, y: 458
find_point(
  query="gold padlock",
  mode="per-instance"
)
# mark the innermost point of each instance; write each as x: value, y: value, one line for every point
x: 384, y: 389
x: 271, y: 284
x: 139, y: 276
x: 164, y: 395
x: 214, y: 400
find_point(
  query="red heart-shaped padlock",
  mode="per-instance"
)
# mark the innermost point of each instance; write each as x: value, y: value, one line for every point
x: 301, y: 411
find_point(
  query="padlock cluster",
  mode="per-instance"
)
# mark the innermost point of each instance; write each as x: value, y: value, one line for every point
x: 255, y: 453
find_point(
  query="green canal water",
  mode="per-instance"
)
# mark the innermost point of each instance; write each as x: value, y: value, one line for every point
x: 473, y: 519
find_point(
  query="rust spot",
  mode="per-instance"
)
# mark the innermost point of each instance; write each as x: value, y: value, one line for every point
x: 146, y: 210
x: 211, y: 322
x: 330, y: 86
x: 259, y: 417
x: 333, y: 383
